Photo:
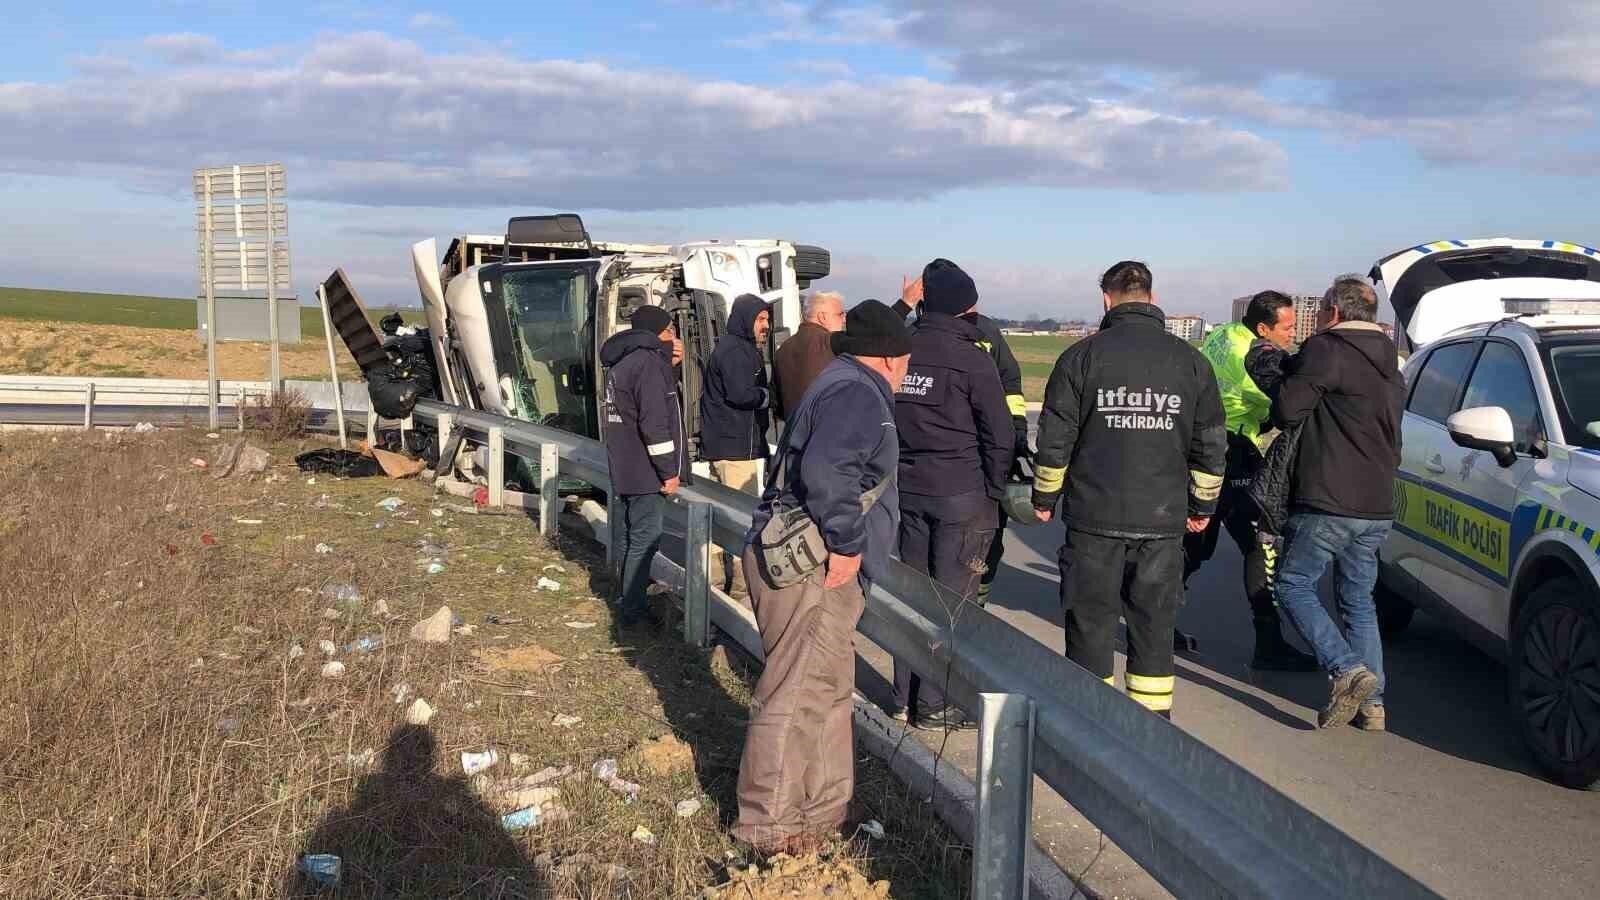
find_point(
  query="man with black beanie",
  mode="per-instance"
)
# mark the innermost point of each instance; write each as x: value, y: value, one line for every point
x: 955, y: 456
x: 645, y: 450
x: 837, y: 462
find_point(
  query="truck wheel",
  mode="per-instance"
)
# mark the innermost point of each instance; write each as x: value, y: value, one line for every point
x: 811, y: 263
x: 1394, y: 611
x: 1554, y: 675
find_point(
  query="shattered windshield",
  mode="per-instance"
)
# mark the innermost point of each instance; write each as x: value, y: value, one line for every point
x: 1575, y: 369
x: 549, y: 309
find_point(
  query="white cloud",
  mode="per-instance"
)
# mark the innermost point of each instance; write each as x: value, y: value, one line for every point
x: 828, y: 68
x: 184, y: 48
x: 373, y: 120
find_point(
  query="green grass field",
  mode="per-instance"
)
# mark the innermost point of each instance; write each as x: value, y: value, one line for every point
x: 136, y: 311
x: 1037, y: 356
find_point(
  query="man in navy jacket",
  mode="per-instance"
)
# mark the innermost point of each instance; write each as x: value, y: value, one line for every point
x: 733, y: 408
x: 645, y: 451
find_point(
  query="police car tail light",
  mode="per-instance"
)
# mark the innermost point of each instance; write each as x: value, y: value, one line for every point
x: 1551, y: 307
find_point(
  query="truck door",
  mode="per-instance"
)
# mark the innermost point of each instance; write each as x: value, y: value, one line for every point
x: 546, y: 353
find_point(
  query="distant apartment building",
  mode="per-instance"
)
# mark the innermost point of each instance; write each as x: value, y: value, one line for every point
x: 1190, y: 328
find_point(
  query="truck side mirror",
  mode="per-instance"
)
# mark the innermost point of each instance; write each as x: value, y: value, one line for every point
x: 1486, y: 428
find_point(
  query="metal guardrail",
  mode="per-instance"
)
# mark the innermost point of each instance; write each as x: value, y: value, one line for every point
x: 1198, y: 822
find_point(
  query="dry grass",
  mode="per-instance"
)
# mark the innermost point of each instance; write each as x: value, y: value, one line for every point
x: 157, y: 740
x: 281, y: 415
x: 121, y: 351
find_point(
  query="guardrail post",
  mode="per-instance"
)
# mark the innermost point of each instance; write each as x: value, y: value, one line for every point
x: 549, y: 488
x: 88, y: 406
x: 697, y: 576
x: 1005, y: 797
x: 239, y: 407
x: 497, y: 467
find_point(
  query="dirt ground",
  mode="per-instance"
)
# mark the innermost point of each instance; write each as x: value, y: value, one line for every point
x: 172, y: 723
x: 69, y: 348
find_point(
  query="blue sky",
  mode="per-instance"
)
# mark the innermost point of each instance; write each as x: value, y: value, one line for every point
x: 1233, y: 144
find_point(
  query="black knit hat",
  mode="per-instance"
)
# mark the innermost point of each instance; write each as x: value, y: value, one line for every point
x: 653, y: 319
x: 946, y: 289
x: 872, y: 329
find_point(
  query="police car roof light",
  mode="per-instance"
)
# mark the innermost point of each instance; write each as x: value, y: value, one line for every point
x: 1552, y: 307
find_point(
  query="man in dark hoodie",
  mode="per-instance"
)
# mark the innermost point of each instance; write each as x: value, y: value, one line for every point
x: 1345, y: 388
x: 733, y: 407
x: 956, y: 442
x: 645, y: 451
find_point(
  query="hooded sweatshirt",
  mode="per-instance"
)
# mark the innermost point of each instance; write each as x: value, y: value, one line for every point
x: 733, y: 407
x: 643, y: 423
x: 1345, y: 387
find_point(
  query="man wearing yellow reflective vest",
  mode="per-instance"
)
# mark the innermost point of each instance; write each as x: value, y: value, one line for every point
x: 1267, y: 329
x: 1133, y: 432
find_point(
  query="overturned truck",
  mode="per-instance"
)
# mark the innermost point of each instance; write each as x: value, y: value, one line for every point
x: 515, y: 322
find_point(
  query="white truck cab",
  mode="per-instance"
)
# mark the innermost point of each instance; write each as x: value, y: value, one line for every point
x: 1497, y: 524
x: 517, y: 321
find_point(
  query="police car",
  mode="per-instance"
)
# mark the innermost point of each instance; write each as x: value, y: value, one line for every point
x: 1497, y: 525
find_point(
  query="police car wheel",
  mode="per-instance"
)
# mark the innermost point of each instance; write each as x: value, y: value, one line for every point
x: 1394, y: 611
x: 1555, y: 681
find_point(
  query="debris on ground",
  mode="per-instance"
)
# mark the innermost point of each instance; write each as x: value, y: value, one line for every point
x: 365, y: 644
x: 665, y: 755
x: 296, y: 651
x: 143, y: 427
x: 530, y: 658
x: 786, y: 878
x: 435, y: 629
x: 555, y: 568
x: 398, y: 466
x: 241, y: 458
x: 496, y: 619
x: 327, y: 648
x: 323, y: 549
x: 435, y: 567
x: 562, y: 720
x: 323, y: 869
x: 532, y: 817
x: 466, y: 630
x: 580, y: 625
x: 644, y: 836
x: 548, y: 584
x: 605, y: 771
x: 333, y: 461
x: 500, y: 570
x: 684, y: 809
x: 419, y: 713
x: 238, y: 521
x: 473, y: 763
x: 333, y: 670
x: 197, y: 462
x: 872, y: 828
x: 390, y: 504
x: 400, y: 692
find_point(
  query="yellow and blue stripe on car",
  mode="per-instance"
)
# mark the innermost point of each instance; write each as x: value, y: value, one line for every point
x: 1477, y: 534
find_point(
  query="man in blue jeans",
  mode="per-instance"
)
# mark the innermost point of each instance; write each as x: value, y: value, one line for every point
x: 1345, y: 389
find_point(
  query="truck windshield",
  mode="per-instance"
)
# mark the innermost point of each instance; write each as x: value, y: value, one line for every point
x: 1575, y: 369
x: 550, y: 312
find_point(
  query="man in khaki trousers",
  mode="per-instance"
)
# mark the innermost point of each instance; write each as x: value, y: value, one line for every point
x: 838, y: 461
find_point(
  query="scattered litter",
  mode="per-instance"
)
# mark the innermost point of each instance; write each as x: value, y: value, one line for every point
x: 644, y: 836
x: 500, y: 570
x: 547, y: 584
x: 362, y: 760
x: 493, y: 619
x: 562, y: 720
x: 480, y: 497
x: 208, y: 539
x: 364, y: 645
x: 520, y: 797
x: 323, y: 549
x: 213, y: 435
x: 241, y: 458
x: 872, y: 828
x: 380, y: 608
x: 324, y: 869
x: 473, y: 763
x: 341, y: 592
x: 377, y: 525
x: 228, y: 727
x: 143, y: 427
x: 436, y: 513
x: 296, y: 651
x: 397, y: 466
x: 532, y: 817
x: 686, y: 808
x: 606, y: 771
x: 580, y: 625
x: 327, y: 648
x: 247, y: 521
x: 560, y: 570
x: 419, y: 712
x: 198, y: 463
x: 435, y: 567
x: 529, y: 658
x: 331, y: 614
x: 170, y: 507
x: 333, y: 461
x: 390, y: 504
x: 469, y: 707
x: 333, y: 670
x: 310, y: 481
x: 400, y: 692
x: 435, y: 629
x: 663, y: 756
x: 465, y: 630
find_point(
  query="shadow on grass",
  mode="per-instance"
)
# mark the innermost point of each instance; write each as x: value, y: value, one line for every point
x: 408, y: 832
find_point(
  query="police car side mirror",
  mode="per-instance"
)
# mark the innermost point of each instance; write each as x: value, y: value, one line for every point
x: 1486, y: 428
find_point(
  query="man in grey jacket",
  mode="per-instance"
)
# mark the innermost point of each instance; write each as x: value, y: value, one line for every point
x: 839, y: 449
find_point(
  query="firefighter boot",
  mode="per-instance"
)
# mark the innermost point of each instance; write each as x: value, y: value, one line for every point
x: 1274, y: 654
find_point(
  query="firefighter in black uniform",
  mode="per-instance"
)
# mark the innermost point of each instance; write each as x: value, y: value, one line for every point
x: 1133, y: 429
x: 955, y: 453
x: 993, y: 342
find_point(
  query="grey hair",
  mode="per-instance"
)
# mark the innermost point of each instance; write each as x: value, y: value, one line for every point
x: 1353, y: 297
x: 817, y: 298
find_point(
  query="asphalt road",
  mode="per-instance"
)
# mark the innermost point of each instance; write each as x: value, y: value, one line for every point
x: 1448, y: 794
